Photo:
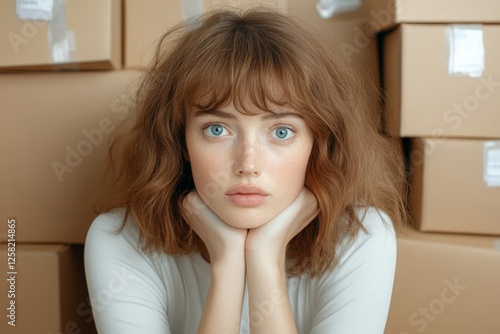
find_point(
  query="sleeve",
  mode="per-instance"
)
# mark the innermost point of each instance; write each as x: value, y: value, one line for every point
x: 126, y: 293
x: 355, y: 297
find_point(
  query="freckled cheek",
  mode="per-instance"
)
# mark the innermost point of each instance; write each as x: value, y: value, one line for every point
x: 207, y: 167
x: 290, y: 170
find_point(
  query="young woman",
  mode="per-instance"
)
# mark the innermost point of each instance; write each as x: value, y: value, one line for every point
x: 253, y: 191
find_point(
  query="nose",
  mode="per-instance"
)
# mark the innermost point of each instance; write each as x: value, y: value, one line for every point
x: 247, y: 159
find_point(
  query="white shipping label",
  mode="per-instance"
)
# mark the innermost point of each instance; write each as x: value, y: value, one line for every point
x: 492, y: 163
x: 191, y: 8
x: 328, y: 8
x: 466, y: 50
x: 40, y: 10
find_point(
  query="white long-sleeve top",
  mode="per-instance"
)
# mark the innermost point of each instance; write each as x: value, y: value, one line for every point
x: 133, y: 292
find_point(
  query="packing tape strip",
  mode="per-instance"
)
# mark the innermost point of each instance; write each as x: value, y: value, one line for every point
x: 61, y: 42
x: 191, y: 9
x: 53, y: 14
x: 329, y: 8
x: 466, y: 50
x: 492, y: 163
x: 496, y: 244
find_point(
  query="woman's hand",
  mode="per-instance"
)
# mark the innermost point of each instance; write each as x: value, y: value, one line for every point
x: 269, y: 241
x: 220, y: 238
x: 226, y: 247
x: 265, y: 252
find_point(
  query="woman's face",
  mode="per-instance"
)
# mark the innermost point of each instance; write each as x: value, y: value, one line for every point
x: 248, y: 168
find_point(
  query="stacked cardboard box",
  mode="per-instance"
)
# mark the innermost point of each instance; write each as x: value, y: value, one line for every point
x: 446, y: 283
x: 63, y: 88
x: 46, y: 292
x: 55, y: 128
x: 53, y: 138
x: 146, y: 21
x: 59, y: 34
x: 441, y: 77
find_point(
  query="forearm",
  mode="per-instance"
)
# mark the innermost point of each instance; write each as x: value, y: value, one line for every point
x: 270, y: 310
x: 222, y: 309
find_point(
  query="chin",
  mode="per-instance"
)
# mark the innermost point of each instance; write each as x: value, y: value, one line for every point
x: 246, y: 220
x: 245, y: 224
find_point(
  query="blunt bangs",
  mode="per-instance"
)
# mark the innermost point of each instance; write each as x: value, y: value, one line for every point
x: 245, y: 61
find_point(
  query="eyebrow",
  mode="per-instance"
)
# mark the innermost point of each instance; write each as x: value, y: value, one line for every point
x: 267, y: 116
x: 279, y: 115
x: 213, y: 112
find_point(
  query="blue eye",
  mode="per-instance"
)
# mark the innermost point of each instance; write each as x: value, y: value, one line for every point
x: 215, y: 130
x: 282, y: 133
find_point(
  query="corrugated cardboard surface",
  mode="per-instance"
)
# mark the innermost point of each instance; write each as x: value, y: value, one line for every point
x: 424, y: 100
x: 96, y: 25
x: 54, y: 130
x: 384, y: 14
x: 349, y: 35
x: 50, y: 291
x: 446, y: 284
x: 448, y: 189
x: 146, y: 21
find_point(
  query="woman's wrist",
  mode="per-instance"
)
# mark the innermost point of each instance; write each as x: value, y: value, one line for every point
x: 230, y: 261
x: 267, y: 290
x: 222, y: 309
x: 265, y: 262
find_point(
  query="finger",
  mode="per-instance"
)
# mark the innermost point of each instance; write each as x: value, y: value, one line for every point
x: 196, y: 211
x: 306, y: 209
x: 192, y: 211
x: 304, y: 205
x: 200, y: 216
x: 193, y: 203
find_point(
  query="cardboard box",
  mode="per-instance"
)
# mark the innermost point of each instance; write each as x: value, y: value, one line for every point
x: 446, y: 284
x: 385, y: 14
x: 45, y: 290
x: 81, y: 35
x: 424, y: 99
x: 346, y: 31
x: 449, y: 192
x: 53, y: 140
x: 146, y: 21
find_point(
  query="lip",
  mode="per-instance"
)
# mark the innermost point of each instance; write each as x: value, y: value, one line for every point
x: 247, y: 195
x: 246, y: 190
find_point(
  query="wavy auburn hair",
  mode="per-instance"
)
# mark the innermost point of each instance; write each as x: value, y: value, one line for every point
x: 255, y: 59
